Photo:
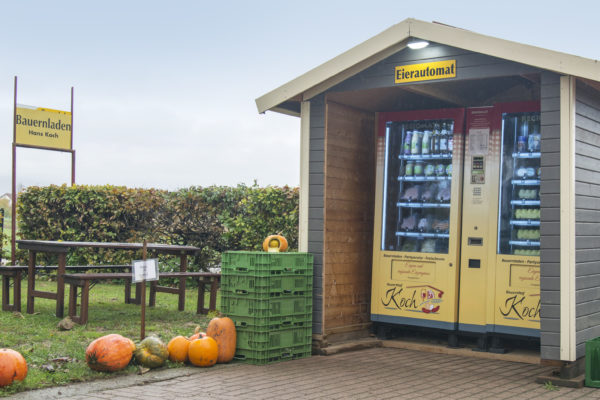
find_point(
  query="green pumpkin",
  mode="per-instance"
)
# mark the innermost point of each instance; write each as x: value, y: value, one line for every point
x: 151, y: 352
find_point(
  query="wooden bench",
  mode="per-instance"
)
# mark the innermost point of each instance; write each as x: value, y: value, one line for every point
x: 81, y: 283
x: 13, y: 274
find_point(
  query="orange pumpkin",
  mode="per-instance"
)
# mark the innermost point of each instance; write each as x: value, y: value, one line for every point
x: 275, y: 243
x: 223, y: 331
x: 198, y: 335
x: 203, y: 352
x: 109, y: 353
x: 13, y: 367
x: 178, y: 349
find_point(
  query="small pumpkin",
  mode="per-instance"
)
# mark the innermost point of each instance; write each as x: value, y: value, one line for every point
x: 109, y: 353
x: 178, y: 349
x: 275, y: 243
x: 197, y: 335
x: 151, y: 352
x: 222, y: 329
x: 203, y: 352
x: 13, y: 367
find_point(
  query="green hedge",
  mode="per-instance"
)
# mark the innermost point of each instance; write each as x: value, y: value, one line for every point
x: 214, y: 218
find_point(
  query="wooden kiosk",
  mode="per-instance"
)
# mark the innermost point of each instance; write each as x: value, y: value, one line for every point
x: 340, y: 104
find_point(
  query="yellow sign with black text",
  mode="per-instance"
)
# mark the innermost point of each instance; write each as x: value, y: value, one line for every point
x: 43, y: 127
x: 425, y: 72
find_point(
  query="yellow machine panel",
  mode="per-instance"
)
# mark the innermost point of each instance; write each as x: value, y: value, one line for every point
x: 480, y: 204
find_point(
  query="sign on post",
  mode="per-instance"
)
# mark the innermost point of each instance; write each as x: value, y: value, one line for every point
x: 145, y: 270
x: 43, y: 127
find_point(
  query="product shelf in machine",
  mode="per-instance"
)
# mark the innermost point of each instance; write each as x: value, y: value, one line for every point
x: 526, y: 222
x: 524, y: 202
x: 423, y: 235
x: 524, y: 243
x: 417, y: 157
x: 526, y: 182
x: 423, y: 205
x: 527, y: 155
x: 424, y: 178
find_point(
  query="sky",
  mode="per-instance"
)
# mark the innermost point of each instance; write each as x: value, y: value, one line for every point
x: 164, y: 91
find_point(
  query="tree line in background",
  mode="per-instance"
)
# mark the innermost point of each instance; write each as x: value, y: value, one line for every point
x: 215, y: 219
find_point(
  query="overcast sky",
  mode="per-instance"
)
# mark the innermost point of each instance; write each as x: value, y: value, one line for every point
x: 165, y: 90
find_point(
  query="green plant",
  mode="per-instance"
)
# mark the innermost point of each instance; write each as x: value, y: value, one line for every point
x: 550, y: 386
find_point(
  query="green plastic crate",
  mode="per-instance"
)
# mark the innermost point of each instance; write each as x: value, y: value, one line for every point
x: 255, y: 306
x: 261, y: 357
x: 592, y: 363
x: 265, y: 323
x: 267, y: 284
x: 265, y: 264
x: 250, y: 339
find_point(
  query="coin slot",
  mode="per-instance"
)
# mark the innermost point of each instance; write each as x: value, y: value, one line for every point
x: 473, y: 241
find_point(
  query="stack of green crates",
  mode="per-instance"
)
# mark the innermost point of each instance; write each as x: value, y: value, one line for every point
x: 269, y: 297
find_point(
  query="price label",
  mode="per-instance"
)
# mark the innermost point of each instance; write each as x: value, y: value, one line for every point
x: 144, y: 270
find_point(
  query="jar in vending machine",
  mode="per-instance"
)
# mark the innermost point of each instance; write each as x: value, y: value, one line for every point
x: 419, y: 169
x: 415, y: 145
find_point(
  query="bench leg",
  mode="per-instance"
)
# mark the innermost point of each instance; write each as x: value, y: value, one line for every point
x: 6, y: 306
x: 183, y: 264
x: 31, y: 283
x: 200, y: 307
x: 85, y: 295
x: 138, y: 293
x: 128, y: 298
x: 213, y: 295
x: 60, y: 285
x: 16, y: 306
x: 152, y: 299
x: 73, y: 302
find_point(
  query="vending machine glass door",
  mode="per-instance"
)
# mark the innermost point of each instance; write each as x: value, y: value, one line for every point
x: 417, y: 186
x: 519, y: 216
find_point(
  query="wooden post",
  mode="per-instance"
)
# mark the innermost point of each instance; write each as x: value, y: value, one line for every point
x: 143, y: 295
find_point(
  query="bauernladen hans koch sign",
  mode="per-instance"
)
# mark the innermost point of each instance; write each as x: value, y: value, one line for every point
x: 43, y: 127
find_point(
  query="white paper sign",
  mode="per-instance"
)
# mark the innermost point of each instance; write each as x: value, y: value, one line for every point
x: 145, y: 270
x: 478, y: 141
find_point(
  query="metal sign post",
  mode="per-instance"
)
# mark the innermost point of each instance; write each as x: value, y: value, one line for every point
x: 38, y: 128
x: 142, y: 271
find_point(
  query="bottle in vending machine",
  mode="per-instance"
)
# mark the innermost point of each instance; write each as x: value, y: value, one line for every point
x: 444, y: 139
x: 407, y: 142
x: 435, y: 143
x: 426, y: 141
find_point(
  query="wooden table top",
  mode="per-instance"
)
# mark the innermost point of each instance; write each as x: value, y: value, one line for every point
x: 51, y: 246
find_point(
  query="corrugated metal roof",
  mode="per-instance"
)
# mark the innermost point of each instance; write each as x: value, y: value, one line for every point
x: 395, y: 39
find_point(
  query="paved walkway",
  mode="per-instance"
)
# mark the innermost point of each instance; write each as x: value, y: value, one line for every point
x: 377, y: 373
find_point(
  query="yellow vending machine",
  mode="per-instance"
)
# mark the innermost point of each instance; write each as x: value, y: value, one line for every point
x: 418, y: 218
x: 499, y: 268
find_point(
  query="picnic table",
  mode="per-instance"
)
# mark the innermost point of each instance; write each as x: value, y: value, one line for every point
x: 61, y: 249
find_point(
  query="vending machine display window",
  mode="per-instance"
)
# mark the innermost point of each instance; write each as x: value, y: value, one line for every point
x: 417, y: 186
x: 519, y: 216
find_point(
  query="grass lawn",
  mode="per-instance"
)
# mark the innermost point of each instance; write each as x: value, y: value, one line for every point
x: 56, y: 357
